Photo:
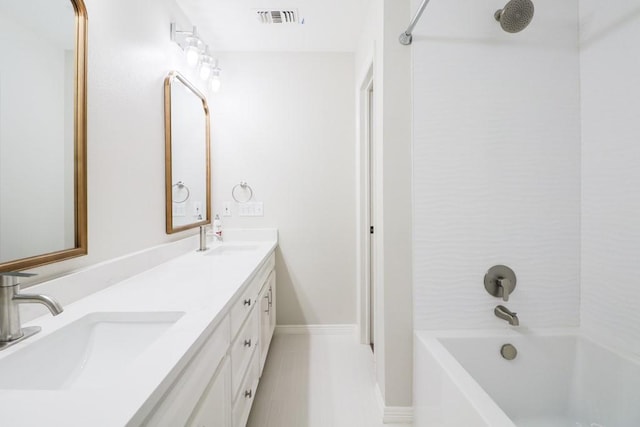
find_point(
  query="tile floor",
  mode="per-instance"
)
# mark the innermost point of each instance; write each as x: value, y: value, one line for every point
x: 317, y: 381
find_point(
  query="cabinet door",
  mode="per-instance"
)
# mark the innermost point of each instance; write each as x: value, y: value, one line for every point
x: 272, y: 303
x: 183, y: 396
x: 265, y: 323
x: 214, y: 408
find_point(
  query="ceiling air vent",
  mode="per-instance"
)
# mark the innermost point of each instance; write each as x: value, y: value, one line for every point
x: 277, y: 16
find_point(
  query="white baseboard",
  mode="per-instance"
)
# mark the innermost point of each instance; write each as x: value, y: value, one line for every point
x: 317, y: 329
x: 394, y: 414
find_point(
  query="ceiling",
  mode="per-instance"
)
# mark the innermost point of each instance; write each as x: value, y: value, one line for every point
x: 233, y: 25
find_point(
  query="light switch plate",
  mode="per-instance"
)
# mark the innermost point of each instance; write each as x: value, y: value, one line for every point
x: 251, y: 209
x: 258, y: 209
x: 227, y: 209
x: 179, y: 209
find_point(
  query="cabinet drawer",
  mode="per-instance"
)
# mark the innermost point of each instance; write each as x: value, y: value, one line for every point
x: 242, y: 349
x: 242, y: 406
x: 242, y: 306
x: 179, y: 401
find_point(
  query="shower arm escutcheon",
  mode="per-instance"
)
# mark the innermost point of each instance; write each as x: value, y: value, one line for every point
x: 500, y: 281
x: 406, y: 37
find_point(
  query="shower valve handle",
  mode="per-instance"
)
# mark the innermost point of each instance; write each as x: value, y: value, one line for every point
x: 500, y: 281
x: 506, y: 286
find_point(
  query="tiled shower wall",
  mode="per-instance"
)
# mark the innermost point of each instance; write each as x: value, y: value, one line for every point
x: 496, y: 164
x: 610, y: 81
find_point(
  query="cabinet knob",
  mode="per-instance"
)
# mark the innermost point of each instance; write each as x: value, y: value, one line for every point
x: 247, y: 301
x: 247, y: 343
x: 248, y: 393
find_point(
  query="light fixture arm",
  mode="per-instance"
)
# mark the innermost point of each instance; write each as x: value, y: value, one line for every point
x: 180, y: 36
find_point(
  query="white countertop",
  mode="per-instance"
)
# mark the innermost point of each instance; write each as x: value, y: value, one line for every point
x: 199, y: 285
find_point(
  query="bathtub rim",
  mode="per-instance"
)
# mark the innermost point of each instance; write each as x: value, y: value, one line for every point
x: 484, y: 405
x: 514, y: 332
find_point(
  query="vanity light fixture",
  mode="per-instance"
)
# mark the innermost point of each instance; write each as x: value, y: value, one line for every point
x: 197, y: 53
x: 190, y: 43
x: 214, y: 82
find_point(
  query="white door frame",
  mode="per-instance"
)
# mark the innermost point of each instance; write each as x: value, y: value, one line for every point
x: 365, y: 183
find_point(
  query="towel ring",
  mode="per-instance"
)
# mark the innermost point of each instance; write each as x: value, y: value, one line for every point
x: 244, y: 186
x: 180, y: 186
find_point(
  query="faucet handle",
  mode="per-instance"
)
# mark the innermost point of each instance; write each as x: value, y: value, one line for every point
x: 500, y: 281
x: 506, y: 286
x: 10, y: 278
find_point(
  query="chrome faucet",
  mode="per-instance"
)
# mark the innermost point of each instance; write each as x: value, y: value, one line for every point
x: 203, y: 239
x: 11, y: 330
x: 504, y: 313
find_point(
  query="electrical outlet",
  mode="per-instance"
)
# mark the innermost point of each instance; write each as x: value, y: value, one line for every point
x: 197, y: 208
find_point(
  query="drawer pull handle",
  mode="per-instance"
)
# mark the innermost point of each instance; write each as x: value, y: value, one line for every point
x: 247, y: 343
x: 248, y: 393
x: 247, y: 302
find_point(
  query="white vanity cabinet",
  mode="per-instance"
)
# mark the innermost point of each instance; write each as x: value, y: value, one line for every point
x: 267, y: 299
x: 218, y: 385
x: 214, y: 408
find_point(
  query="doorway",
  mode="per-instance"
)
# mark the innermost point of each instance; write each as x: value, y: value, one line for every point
x: 371, y: 197
x: 367, y: 217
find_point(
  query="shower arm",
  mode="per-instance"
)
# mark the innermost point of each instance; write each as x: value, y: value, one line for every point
x: 406, y: 38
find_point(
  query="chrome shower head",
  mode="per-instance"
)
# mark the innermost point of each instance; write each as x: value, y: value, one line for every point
x: 515, y: 16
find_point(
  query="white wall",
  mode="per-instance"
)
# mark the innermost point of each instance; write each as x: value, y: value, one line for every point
x: 284, y: 123
x: 496, y: 164
x: 392, y: 144
x: 610, y: 79
x: 130, y: 54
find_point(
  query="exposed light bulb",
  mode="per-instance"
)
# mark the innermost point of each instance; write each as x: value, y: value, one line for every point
x: 215, y: 83
x: 206, y: 67
x: 205, y: 72
x: 192, y: 51
x: 192, y: 55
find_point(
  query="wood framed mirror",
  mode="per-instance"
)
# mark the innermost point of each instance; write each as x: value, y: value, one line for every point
x: 43, y: 132
x: 187, y: 155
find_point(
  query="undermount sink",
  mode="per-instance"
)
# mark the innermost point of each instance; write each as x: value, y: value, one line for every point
x: 232, y: 249
x: 87, y: 353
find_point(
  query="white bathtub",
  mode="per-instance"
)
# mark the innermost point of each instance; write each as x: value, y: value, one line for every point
x: 559, y: 378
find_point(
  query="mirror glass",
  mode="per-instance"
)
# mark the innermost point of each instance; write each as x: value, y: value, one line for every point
x: 187, y: 155
x: 42, y: 132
